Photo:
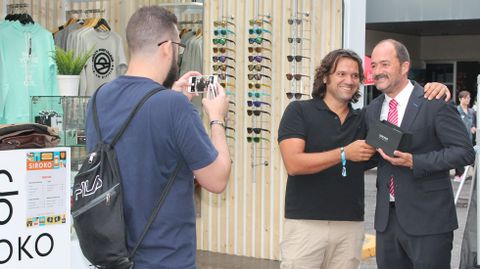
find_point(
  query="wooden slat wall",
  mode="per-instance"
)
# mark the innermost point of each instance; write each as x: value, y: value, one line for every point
x: 247, y: 219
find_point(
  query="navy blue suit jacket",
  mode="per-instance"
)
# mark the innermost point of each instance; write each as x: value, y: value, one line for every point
x: 438, y: 141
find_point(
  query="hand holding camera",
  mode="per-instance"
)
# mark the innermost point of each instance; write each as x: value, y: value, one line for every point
x: 215, y: 103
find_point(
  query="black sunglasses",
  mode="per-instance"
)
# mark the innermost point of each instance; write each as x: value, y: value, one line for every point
x: 258, y: 85
x: 296, y: 76
x: 256, y: 130
x: 297, y: 95
x: 256, y: 112
x: 297, y: 58
x: 256, y: 139
x: 257, y: 103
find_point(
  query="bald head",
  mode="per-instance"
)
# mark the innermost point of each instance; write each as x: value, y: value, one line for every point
x: 149, y: 26
x: 400, y: 49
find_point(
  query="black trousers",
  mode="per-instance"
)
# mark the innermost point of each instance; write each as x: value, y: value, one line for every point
x: 398, y: 250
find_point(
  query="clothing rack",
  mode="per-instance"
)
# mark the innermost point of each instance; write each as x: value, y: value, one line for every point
x: 13, y: 7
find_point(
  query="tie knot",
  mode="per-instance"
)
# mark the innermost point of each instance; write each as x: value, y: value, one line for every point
x: 393, y: 104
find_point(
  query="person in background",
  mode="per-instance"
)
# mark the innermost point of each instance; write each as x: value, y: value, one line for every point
x: 165, y: 131
x: 415, y: 213
x: 469, y: 118
x: 324, y: 152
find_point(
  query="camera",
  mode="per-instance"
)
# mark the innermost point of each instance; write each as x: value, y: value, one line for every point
x: 201, y: 84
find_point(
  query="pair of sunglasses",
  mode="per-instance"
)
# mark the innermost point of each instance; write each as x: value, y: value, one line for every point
x: 222, y: 58
x: 222, y: 50
x: 297, y: 58
x: 296, y: 76
x: 258, y: 31
x: 258, y: 58
x: 256, y: 112
x: 256, y: 139
x: 224, y: 76
x: 222, y: 67
x: 257, y: 103
x: 297, y: 95
x: 258, y: 85
x: 225, y: 85
x: 222, y: 41
x: 257, y: 76
x: 257, y: 49
x: 297, y: 39
x: 294, y: 20
x: 258, y: 22
x: 223, y: 23
x: 223, y: 32
x: 257, y: 67
x: 256, y: 130
x: 257, y: 94
x: 258, y: 40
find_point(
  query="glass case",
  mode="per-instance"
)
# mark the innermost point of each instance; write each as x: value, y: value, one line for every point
x: 67, y: 115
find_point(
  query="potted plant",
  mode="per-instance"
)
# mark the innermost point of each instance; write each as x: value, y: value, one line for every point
x: 69, y: 68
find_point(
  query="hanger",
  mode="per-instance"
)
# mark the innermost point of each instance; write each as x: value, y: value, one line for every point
x: 102, y: 24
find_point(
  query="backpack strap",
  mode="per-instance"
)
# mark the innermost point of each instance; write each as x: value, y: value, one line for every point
x: 126, y: 123
x: 159, y: 204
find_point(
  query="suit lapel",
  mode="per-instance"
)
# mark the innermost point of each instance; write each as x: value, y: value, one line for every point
x: 377, y: 106
x: 414, y: 103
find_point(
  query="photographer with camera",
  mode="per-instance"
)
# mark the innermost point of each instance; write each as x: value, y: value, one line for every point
x: 167, y: 130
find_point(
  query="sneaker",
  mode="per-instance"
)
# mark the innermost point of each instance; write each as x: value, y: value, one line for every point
x: 457, y: 179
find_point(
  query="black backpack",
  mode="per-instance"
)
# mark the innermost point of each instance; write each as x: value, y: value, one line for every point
x: 97, y: 202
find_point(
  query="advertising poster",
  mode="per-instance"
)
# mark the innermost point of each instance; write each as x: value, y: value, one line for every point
x: 35, y: 208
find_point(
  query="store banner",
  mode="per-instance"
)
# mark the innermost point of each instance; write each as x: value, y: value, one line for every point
x: 35, y: 208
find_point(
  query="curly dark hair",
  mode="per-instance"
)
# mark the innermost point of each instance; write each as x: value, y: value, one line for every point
x: 329, y: 65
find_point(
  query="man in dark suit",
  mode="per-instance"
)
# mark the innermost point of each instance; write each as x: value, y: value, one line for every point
x: 415, y: 213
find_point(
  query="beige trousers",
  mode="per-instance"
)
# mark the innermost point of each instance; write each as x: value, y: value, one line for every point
x: 321, y: 244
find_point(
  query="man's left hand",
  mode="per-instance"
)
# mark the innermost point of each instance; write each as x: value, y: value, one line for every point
x: 436, y: 90
x: 182, y: 85
x: 400, y: 158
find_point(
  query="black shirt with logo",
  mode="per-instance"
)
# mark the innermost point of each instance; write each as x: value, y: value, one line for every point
x: 325, y: 195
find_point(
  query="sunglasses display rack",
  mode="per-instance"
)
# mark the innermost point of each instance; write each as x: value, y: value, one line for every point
x: 298, y: 62
x: 259, y: 92
x: 224, y: 66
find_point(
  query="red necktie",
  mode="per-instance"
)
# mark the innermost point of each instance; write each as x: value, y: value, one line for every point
x: 392, y: 118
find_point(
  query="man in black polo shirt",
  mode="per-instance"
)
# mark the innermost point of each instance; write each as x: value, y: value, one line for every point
x: 322, y: 146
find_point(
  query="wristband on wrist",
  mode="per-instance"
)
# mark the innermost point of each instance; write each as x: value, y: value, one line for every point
x: 344, y: 161
x: 219, y: 122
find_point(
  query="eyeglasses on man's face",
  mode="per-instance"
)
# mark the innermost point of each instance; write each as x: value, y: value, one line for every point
x: 181, y: 47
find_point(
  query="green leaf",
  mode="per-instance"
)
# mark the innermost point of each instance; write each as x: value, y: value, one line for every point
x: 67, y: 63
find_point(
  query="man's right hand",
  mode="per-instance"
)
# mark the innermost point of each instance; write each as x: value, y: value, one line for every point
x: 216, y: 107
x: 359, y: 151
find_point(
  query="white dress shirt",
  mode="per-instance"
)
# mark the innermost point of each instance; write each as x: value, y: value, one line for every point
x: 402, y: 100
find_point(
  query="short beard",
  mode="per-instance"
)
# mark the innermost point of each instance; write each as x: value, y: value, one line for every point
x: 172, y: 74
